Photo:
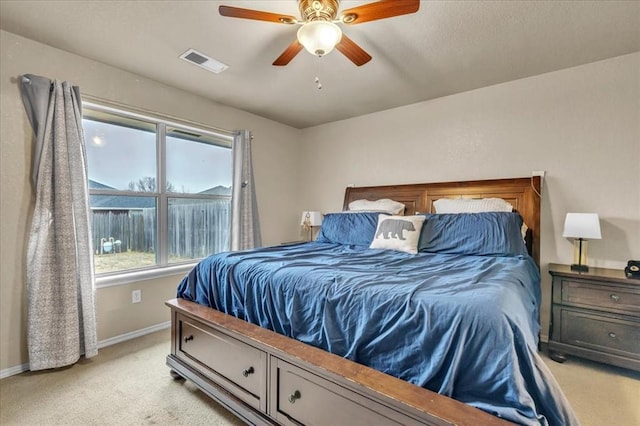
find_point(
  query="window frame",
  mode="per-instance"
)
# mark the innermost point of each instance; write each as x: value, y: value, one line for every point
x: 162, y: 268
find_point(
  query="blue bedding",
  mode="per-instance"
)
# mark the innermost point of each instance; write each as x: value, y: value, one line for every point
x: 464, y: 326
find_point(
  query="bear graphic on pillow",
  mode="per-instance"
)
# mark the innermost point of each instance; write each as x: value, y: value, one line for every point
x: 394, y: 228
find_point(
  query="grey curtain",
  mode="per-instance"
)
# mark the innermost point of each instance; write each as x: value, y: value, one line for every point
x: 245, y: 223
x: 60, y: 283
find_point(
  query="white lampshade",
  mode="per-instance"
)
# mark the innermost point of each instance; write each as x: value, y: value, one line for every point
x: 582, y: 225
x: 319, y: 37
x: 314, y: 218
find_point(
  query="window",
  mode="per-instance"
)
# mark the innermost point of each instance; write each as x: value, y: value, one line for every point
x: 160, y: 192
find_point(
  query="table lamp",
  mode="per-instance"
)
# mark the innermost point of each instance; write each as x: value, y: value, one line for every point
x: 309, y: 221
x: 581, y: 227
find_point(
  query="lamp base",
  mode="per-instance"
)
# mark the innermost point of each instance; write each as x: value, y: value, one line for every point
x: 579, y: 268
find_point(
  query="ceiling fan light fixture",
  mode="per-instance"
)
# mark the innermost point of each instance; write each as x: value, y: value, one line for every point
x: 319, y: 37
x: 318, y: 33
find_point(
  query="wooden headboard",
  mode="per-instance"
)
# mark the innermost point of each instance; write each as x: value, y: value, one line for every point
x: 522, y: 193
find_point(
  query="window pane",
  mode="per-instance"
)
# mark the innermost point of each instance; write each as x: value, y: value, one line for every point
x: 197, y: 163
x: 124, y: 232
x: 126, y: 153
x: 198, y: 227
x: 121, y: 154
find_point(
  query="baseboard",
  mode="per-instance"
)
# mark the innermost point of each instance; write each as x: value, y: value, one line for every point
x: 132, y: 335
x: 12, y: 371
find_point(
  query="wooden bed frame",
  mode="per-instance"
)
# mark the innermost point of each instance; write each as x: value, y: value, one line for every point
x: 267, y: 378
x: 522, y: 193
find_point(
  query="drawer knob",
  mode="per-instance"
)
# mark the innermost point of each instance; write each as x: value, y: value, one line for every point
x: 613, y: 335
x: 614, y: 297
x: 189, y: 337
x: 247, y: 371
x: 294, y: 396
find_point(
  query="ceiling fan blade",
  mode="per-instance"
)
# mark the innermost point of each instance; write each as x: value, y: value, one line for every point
x: 236, y: 12
x: 351, y: 50
x: 289, y: 53
x: 379, y: 10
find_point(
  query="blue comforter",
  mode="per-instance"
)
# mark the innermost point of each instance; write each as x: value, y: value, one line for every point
x: 463, y: 326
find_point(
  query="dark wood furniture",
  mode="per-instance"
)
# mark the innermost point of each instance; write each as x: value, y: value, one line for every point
x: 267, y: 378
x: 522, y: 193
x: 595, y: 315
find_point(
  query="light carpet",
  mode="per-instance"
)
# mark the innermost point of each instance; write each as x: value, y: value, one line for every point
x: 126, y: 384
x: 129, y: 384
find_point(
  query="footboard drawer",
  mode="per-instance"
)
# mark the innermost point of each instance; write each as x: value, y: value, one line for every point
x: 229, y: 361
x: 304, y: 398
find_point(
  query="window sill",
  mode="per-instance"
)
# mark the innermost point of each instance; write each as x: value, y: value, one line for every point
x: 148, y: 274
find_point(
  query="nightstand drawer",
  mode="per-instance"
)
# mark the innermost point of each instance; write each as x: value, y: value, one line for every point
x: 595, y: 315
x: 602, y: 333
x: 601, y: 296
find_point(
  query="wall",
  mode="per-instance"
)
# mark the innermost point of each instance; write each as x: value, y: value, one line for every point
x: 275, y: 154
x: 581, y: 125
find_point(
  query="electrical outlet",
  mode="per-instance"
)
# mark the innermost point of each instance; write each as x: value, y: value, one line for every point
x: 136, y: 296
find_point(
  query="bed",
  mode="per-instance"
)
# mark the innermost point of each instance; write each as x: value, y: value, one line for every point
x: 439, y: 329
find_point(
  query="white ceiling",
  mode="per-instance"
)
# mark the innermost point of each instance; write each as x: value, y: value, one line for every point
x: 447, y: 47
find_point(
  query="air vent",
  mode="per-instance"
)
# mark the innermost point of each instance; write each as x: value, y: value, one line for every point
x: 203, y: 61
x: 196, y: 57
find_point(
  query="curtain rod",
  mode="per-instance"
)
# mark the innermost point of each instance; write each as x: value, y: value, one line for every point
x: 97, y: 100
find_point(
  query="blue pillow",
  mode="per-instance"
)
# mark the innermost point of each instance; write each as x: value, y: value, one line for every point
x: 348, y: 228
x: 481, y: 234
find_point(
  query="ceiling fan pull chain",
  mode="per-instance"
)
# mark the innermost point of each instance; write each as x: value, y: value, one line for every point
x: 317, y: 80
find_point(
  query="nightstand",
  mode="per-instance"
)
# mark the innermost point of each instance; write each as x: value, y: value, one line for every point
x: 595, y: 315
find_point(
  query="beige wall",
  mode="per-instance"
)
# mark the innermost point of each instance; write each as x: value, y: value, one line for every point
x: 581, y: 125
x: 275, y: 153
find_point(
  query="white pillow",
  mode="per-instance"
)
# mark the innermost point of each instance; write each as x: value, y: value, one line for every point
x: 384, y: 205
x: 471, y: 205
x: 399, y: 233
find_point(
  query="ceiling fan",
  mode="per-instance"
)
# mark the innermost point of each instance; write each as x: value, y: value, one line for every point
x: 319, y: 33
